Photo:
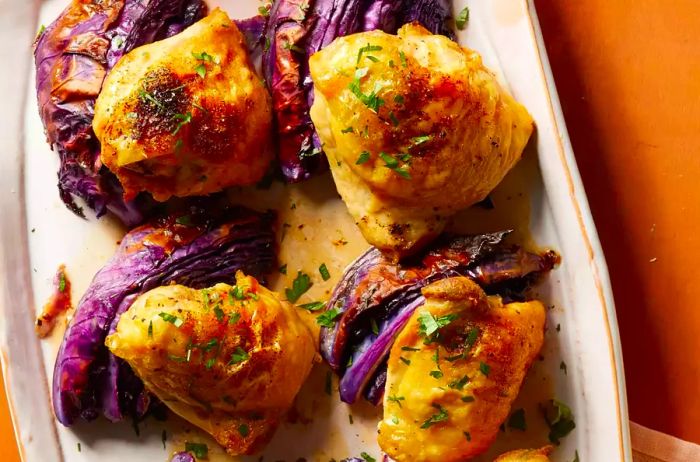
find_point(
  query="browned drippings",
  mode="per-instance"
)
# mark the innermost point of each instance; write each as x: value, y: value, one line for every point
x: 58, y: 303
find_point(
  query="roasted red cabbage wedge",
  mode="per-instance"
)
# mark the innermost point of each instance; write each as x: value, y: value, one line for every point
x: 72, y: 57
x: 375, y: 298
x: 199, y: 248
x: 297, y: 29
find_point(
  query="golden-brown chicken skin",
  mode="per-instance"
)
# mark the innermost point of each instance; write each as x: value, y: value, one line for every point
x: 449, y: 389
x: 415, y: 128
x: 526, y: 455
x: 228, y: 359
x: 187, y: 115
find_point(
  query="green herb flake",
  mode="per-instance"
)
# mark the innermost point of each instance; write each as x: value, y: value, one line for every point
x: 517, y: 420
x: 183, y: 119
x: 405, y: 361
x: 283, y: 269
x: 460, y: 383
x: 393, y: 164
x: 468, y: 399
x: 418, y: 140
x: 264, y: 10
x: 292, y: 47
x: 210, y: 345
x: 150, y: 329
x: 301, y: 283
x: 313, y: 306
x: 396, y: 399
x: 408, y: 348
x: 80, y: 448
x: 328, y: 318
x: 364, y: 157
x: 472, y: 337
x: 462, y: 18
x: 243, y: 430
x: 61, y: 281
x: 234, y: 318
x: 347, y: 130
x: 174, y: 320
x: 399, y: 99
x: 210, y: 363
x: 374, y: 326
x: 201, y: 70
x: 402, y: 56
x: 238, y: 356
x: 200, y: 450
x: 328, y: 388
x: 428, y: 325
x: 559, y: 418
x: 41, y: 30
x: 440, y: 416
x: 323, y: 270
x: 484, y: 368
x: 367, y: 49
x: 436, y: 374
x: 395, y: 420
x: 371, y: 100
x: 219, y: 313
x: 394, y: 120
x: 367, y: 457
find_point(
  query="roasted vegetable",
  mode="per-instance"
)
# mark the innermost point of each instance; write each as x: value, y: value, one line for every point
x: 375, y: 298
x: 73, y: 56
x: 199, y: 248
x: 229, y: 359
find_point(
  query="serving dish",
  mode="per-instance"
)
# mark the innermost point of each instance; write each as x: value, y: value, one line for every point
x: 542, y: 199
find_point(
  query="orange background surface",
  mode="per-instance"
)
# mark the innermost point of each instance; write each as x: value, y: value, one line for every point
x: 628, y: 75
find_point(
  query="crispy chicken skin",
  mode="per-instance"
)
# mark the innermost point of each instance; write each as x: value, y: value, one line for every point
x: 187, y: 115
x: 415, y: 128
x: 228, y: 359
x: 446, y: 399
x: 526, y: 455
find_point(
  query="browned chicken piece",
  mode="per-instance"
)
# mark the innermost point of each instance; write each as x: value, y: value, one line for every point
x: 455, y: 370
x: 228, y: 359
x: 526, y: 455
x: 187, y: 115
x: 415, y: 128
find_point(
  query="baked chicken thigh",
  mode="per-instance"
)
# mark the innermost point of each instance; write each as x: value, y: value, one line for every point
x: 415, y: 128
x: 228, y: 359
x: 187, y: 115
x: 455, y: 370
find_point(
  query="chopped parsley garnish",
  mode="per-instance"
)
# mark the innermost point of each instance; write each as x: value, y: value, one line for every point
x: 174, y: 320
x: 347, y: 130
x: 219, y: 313
x: 200, y: 450
x: 394, y: 120
x: 396, y: 399
x: 408, y: 348
x: 61, y: 281
x: 364, y: 157
x: 436, y: 374
x: 210, y: 363
x: 146, y: 96
x: 562, y: 366
x: 150, y: 329
x: 472, y: 336
x: 441, y: 416
x: 429, y: 325
x: 371, y: 100
x: 238, y: 356
x: 459, y: 384
x: 395, y: 420
x: 210, y: 345
x: 300, y: 285
x: 80, y: 448
x: 399, y: 99
x: 328, y: 318
x: 368, y: 49
x: 402, y: 56
x: 41, y: 30
x: 418, y: 140
x: 185, y: 220
x: 206, y: 57
x: 517, y: 420
x: 323, y: 270
x: 367, y: 457
x: 559, y: 418
x: 468, y: 399
x: 405, y: 361
x: 264, y: 10
x: 462, y: 18
x: 201, y: 70
x: 393, y: 164
x: 183, y: 119
x: 243, y: 430
x: 292, y: 47
x: 329, y: 383
x: 484, y: 368
x: 374, y: 326
x: 283, y: 269
x: 234, y: 318
x: 313, y: 306
x: 237, y: 292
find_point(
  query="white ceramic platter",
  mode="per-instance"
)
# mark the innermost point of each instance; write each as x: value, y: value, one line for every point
x: 542, y: 199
